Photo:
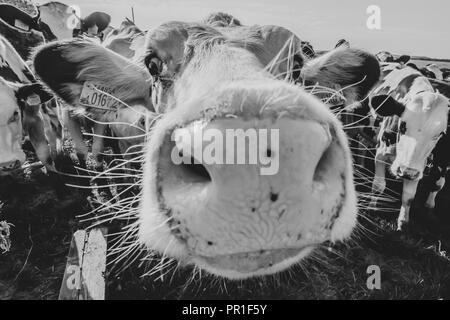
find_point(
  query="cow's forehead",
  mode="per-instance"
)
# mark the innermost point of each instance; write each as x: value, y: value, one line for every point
x: 427, y: 113
x: 170, y: 35
x: 428, y: 103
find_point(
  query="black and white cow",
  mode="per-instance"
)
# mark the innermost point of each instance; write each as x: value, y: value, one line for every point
x: 126, y: 40
x: 440, y: 161
x: 415, y: 119
x: 20, y: 29
x: 25, y: 108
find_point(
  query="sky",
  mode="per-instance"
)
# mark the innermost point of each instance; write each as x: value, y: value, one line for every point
x: 414, y: 27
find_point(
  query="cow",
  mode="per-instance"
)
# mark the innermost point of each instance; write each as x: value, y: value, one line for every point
x: 228, y: 220
x: 221, y: 19
x: 17, y: 17
x: 20, y: 29
x: 11, y: 154
x: 59, y: 18
x: 415, y: 119
x: 22, y: 20
x: 54, y: 20
x: 25, y: 104
x: 440, y: 159
x: 387, y: 57
x: 100, y: 106
x: 349, y: 98
x: 437, y: 73
x: 125, y: 40
x: 94, y: 24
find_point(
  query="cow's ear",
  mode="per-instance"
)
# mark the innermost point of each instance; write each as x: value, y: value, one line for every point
x: 354, y: 70
x: 66, y: 66
x: 387, y: 106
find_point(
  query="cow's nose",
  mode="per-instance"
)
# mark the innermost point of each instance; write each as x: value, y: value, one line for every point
x: 246, y: 179
x: 408, y: 173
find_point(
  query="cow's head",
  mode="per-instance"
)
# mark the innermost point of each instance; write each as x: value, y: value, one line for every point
x: 18, y: 114
x: 227, y: 218
x: 126, y: 40
x: 434, y: 69
x: 57, y: 19
x: 422, y: 121
x: 11, y: 154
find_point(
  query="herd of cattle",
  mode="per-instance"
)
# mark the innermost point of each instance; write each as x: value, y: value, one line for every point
x: 139, y: 86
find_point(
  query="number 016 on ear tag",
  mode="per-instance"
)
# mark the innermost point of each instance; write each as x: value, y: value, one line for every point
x: 97, y: 96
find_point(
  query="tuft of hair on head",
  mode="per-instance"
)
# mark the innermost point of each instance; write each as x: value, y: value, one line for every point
x: 221, y: 19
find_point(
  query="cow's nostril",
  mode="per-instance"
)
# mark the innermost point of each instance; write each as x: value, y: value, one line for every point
x: 185, y: 170
x: 196, y: 170
x: 324, y: 164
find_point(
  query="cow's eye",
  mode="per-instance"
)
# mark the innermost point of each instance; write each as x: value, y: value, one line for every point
x: 153, y: 64
x: 14, y: 117
x: 296, y: 70
x: 402, y: 127
x: 142, y: 122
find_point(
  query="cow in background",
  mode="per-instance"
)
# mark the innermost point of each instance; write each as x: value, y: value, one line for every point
x: 54, y: 20
x: 415, y: 119
x: 93, y: 105
x: 440, y: 158
x: 126, y: 40
x: 221, y: 20
x: 58, y: 17
x: 349, y: 99
x: 20, y: 29
x: 433, y: 68
x: 93, y: 25
x: 25, y: 105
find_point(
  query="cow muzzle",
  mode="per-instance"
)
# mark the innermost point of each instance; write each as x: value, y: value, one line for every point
x: 262, y: 208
